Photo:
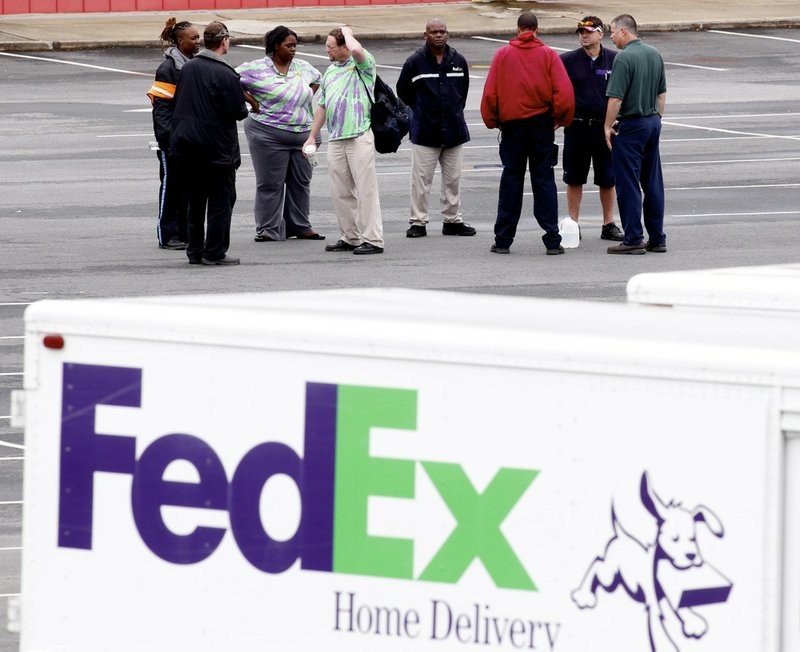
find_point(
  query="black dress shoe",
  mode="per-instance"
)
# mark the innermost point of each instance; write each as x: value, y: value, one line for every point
x: 263, y: 238
x: 500, y: 250
x: 311, y: 234
x: 174, y: 244
x: 657, y: 248
x: 416, y: 231
x: 367, y: 248
x: 340, y: 245
x: 622, y: 248
x: 457, y: 228
x: 225, y: 260
x: 555, y: 251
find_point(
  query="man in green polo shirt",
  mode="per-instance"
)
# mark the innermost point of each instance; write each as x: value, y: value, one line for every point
x: 636, y: 95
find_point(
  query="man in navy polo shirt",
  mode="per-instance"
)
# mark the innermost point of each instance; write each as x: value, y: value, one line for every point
x: 636, y: 94
x: 589, y: 69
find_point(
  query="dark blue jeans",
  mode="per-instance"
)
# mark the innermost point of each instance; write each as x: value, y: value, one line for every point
x: 528, y: 144
x: 637, y: 168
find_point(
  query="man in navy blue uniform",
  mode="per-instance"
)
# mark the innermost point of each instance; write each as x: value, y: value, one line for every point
x: 589, y: 69
x: 434, y: 82
x: 637, y: 95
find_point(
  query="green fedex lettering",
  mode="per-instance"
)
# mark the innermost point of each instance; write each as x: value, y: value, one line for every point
x: 478, y: 516
x: 477, y: 534
x: 359, y: 476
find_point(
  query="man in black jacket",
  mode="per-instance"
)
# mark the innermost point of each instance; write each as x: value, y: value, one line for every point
x: 208, y: 103
x: 434, y: 82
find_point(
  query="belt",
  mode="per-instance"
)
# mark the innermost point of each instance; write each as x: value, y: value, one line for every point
x: 590, y: 122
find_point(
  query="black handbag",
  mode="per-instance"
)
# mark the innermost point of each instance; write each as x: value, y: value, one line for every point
x: 390, y: 117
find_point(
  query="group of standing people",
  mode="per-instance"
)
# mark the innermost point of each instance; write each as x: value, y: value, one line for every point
x: 609, y: 102
x: 610, y: 105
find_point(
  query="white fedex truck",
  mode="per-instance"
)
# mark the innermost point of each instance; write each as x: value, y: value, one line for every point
x: 370, y: 470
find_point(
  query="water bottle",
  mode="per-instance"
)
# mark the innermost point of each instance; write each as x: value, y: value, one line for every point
x: 570, y: 235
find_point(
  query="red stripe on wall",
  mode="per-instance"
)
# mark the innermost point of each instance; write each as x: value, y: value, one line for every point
x: 8, y: 7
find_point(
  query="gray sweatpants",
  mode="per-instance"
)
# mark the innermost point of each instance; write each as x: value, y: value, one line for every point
x: 283, y: 180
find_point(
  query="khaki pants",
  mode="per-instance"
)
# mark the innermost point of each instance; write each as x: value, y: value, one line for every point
x: 423, y: 165
x: 354, y: 189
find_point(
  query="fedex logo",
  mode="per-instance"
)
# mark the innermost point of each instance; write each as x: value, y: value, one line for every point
x: 335, y: 478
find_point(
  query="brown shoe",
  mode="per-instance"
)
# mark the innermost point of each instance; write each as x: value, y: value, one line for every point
x: 657, y: 248
x: 622, y: 248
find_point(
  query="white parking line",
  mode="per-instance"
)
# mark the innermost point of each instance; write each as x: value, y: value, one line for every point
x: 124, y: 135
x: 742, y: 187
x: 18, y: 303
x: 771, y: 38
x: 10, y: 548
x: 327, y: 58
x: 10, y: 595
x: 10, y: 502
x: 736, y: 214
x: 12, y: 337
x: 668, y: 63
x: 11, y: 459
x: 734, y: 160
x: 725, y: 116
x: 75, y: 63
x: 728, y: 131
x: 12, y: 373
x: 8, y: 443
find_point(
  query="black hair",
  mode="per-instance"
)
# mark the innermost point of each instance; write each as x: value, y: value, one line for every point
x: 528, y: 22
x: 274, y: 37
x: 172, y: 29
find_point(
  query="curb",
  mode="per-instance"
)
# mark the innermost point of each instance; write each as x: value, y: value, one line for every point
x: 311, y: 37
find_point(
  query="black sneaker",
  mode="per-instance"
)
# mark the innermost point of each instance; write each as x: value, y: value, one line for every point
x: 457, y: 228
x: 657, y: 248
x: 367, y: 248
x: 555, y: 251
x: 499, y: 250
x: 611, y: 231
x: 416, y: 231
x: 340, y: 245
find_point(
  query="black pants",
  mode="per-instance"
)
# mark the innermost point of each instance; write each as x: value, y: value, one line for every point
x: 212, y: 191
x: 172, y: 200
x: 528, y: 144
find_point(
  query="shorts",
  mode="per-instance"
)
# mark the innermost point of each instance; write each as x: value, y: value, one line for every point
x: 585, y: 145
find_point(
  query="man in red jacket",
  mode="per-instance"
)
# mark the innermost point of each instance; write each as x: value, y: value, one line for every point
x: 528, y: 95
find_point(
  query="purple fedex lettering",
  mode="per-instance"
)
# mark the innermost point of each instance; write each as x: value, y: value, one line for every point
x: 150, y: 491
x: 84, y: 452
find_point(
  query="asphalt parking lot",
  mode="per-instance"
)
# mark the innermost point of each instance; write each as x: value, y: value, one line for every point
x: 78, y: 188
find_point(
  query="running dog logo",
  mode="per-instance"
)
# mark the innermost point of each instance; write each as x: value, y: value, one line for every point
x: 669, y: 576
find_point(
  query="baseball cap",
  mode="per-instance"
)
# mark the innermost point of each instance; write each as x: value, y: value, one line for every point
x: 590, y: 25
